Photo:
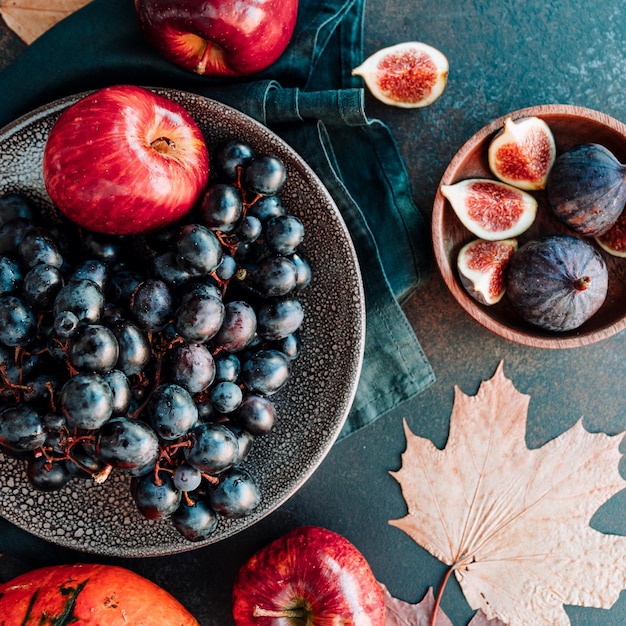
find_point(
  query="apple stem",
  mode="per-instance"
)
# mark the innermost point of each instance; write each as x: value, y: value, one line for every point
x: 203, y: 62
x: 163, y: 145
x: 261, y: 612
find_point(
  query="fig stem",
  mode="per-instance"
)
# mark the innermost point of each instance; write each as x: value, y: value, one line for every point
x: 261, y: 612
x: 582, y: 283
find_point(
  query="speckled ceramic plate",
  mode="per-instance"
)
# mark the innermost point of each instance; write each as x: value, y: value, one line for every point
x: 312, y: 408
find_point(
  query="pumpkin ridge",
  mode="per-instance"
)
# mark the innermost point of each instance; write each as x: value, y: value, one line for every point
x: 29, y: 609
x: 67, y: 617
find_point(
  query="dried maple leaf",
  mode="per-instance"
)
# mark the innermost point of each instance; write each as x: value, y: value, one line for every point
x: 400, y: 613
x: 31, y: 18
x: 511, y: 522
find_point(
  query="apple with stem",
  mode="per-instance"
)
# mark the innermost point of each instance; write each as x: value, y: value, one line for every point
x: 124, y: 160
x: 219, y: 37
x: 310, y: 576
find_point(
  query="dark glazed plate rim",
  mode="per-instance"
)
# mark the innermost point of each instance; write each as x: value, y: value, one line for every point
x: 312, y: 408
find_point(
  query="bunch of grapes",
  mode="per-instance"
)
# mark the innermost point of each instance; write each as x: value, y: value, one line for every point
x: 157, y: 355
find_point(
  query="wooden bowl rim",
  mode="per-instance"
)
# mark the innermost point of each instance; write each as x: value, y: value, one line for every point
x: 448, y: 272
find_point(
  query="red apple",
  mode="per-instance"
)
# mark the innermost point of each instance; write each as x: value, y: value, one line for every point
x: 309, y: 576
x: 125, y: 160
x: 219, y: 37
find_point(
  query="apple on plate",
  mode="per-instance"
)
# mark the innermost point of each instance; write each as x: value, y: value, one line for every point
x: 124, y: 160
x: 310, y: 576
x: 219, y: 37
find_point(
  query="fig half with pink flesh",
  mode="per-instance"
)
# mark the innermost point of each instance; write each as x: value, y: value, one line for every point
x: 408, y: 75
x: 482, y: 267
x: 613, y: 240
x: 523, y: 153
x: 491, y: 209
x: 557, y: 282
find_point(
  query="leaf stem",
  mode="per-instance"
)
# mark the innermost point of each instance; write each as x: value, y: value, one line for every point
x: 433, y: 620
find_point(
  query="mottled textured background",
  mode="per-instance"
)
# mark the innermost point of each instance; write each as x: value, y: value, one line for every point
x: 504, y: 55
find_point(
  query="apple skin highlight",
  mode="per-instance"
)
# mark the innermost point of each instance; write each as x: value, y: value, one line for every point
x: 124, y: 160
x: 219, y: 37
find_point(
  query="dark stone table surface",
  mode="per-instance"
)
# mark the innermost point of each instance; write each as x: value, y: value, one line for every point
x: 504, y: 55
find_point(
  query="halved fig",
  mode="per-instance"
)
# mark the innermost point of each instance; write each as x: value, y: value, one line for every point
x: 522, y: 153
x: 613, y: 240
x: 408, y: 75
x: 491, y: 209
x: 587, y: 189
x: 482, y: 268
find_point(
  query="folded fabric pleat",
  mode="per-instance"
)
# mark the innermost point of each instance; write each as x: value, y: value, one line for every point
x: 310, y: 99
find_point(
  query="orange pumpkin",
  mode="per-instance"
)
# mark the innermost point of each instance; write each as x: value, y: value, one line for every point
x: 99, y: 595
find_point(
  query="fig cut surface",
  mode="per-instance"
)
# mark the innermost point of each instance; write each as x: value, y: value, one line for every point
x: 523, y: 153
x: 407, y: 75
x: 482, y: 267
x: 491, y: 209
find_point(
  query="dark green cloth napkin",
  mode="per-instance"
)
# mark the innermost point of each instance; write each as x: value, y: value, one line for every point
x: 310, y: 99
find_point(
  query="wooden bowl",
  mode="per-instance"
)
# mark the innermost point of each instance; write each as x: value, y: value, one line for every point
x: 570, y: 125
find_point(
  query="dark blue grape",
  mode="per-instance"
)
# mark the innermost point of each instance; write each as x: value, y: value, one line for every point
x: 227, y: 267
x: 278, y: 318
x: 249, y: 229
x: 107, y: 249
x: 12, y: 233
x: 39, y: 246
x: 231, y: 157
x: 198, y: 319
x: 198, y: 250
x: 87, y: 401
x: 265, y: 372
x: 120, y: 388
x: 41, y: 285
x: 121, y: 286
x: 171, y: 411
x: 290, y: 346
x: 167, y: 268
x: 48, y: 476
x: 191, y: 366
x: 152, y: 304
x: 221, y: 207
x: 236, y: 495
x: 195, y: 522
x: 214, y: 448
x: 128, y: 444
x: 199, y: 289
x: 266, y: 207
x: 264, y: 174
x: 226, y: 397
x: 93, y: 348
x: 92, y: 269
x: 245, y: 441
x: 284, y: 234
x: 17, y: 322
x: 227, y: 367
x: 238, y: 327
x: 206, y: 412
x: 155, y: 500
x: 21, y: 428
x: 273, y: 276
x: 257, y: 415
x: 40, y: 387
x: 84, y: 298
x: 11, y: 275
x: 66, y: 324
x: 304, y: 273
x: 134, y: 347
x: 84, y: 461
x: 15, y: 205
x: 187, y: 478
